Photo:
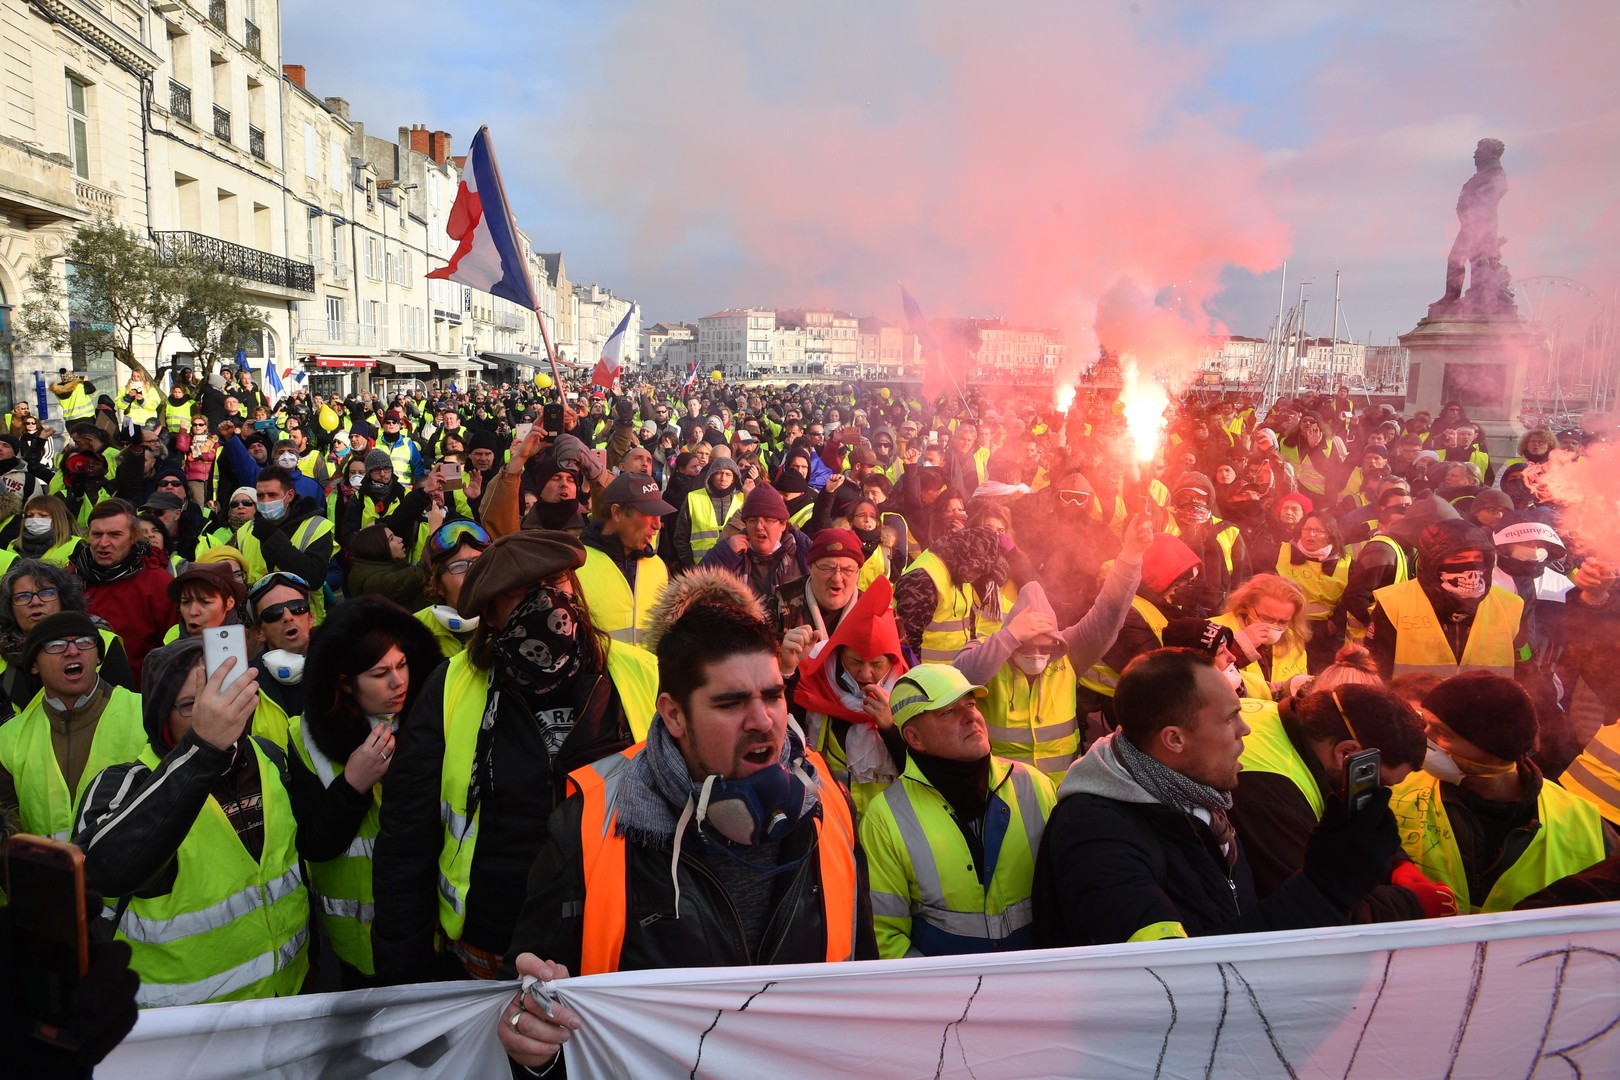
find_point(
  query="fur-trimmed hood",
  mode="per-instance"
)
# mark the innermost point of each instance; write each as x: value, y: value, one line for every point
x: 705, y: 585
x: 335, y: 733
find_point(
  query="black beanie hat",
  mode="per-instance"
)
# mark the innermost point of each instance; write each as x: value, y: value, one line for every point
x: 163, y: 676
x: 64, y: 624
x: 1491, y: 711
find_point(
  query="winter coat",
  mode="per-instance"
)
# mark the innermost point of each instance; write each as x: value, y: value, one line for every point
x: 137, y: 607
x: 1115, y: 861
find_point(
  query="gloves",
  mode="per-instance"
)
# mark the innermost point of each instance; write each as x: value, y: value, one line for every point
x: 1348, y: 855
x: 104, y: 1002
x: 1437, y: 899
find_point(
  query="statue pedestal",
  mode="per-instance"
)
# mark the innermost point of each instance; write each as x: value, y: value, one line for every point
x: 1477, y: 360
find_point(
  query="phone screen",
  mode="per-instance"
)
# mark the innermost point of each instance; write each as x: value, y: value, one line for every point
x: 45, y: 887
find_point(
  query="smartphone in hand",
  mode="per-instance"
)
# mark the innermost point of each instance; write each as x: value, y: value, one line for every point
x: 49, y: 936
x: 1363, y: 774
x: 220, y: 642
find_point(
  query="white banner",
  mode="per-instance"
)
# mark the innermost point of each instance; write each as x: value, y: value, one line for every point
x: 1534, y: 994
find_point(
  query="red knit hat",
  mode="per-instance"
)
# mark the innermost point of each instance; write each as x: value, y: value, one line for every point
x: 765, y: 502
x: 837, y: 542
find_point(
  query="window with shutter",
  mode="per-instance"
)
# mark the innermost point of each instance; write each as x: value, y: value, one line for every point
x: 312, y: 152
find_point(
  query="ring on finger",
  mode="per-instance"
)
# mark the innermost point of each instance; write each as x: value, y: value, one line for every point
x: 512, y: 1021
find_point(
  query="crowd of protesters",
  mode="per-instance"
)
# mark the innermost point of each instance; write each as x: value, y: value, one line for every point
x: 668, y: 675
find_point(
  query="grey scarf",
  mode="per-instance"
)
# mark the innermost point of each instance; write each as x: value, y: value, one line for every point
x: 1168, y: 786
x: 657, y: 786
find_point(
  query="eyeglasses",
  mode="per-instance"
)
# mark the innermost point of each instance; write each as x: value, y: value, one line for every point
x: 274, y: 612
x: 457, y: 567
x: 46, y: 595
x: 60, y: 645
x: 452, y: 534
x: 1280, y: 624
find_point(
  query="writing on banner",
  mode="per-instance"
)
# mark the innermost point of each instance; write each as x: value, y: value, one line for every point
x: 1533, y: 994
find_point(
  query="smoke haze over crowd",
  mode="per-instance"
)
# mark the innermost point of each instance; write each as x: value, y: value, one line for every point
x: 1144, y: 168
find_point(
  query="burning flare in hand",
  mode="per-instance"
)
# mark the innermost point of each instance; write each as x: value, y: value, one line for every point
x: 1145, y: 402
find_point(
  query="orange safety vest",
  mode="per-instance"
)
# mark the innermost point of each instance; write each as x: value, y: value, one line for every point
x: 604, y: 858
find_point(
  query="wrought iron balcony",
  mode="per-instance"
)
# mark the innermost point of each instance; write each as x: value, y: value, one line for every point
x: 222, y: 123
x: 256, y: 142
x: 342, y: 333
x: 244, y: 262
x: 216, y: 13
x: 251, y: 38
x: 180, y: 101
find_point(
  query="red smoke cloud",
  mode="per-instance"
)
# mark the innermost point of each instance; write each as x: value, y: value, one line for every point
x: 1034, y: 160
x: 1023, y: 163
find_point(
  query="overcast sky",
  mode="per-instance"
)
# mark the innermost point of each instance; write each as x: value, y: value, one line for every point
x: 1038, y: 161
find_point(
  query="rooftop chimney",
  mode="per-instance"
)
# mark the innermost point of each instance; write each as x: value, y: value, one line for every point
x: 339, y: 107
x: 294, y: 72
x: 439, y: 146
x: 419, y: 139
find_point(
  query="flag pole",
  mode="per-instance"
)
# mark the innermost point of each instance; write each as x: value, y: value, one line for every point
x: 551, y: 353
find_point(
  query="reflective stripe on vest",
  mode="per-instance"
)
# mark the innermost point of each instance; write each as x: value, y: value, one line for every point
x: 953, y: 912
x: 634, y: 672
x: 1268, y: 749
x: 618, y: 609
x: 44, y: 803
x: 1568, y: 840
x: 229, y: 928
x: 177, y: 414
x: 1102, y: 678
x: 1403, y: 566
x: 604, y: 860
x: 1594, y: 775
x: 952, y: 625
x: 704, y: 527
x: 1322, y: 590
x: 801, y: 517
x: 1226, y: 536
x: 1421, y: 646
x: 344, y: 883
x: 1033, y: 721
x: 78, y: 405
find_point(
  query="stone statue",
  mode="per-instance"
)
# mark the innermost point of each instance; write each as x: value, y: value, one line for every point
x: 1477, y: 253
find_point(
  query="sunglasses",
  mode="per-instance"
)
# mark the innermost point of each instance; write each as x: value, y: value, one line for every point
x: 171, y: 482
x: 274, y: 612
x: 242, y: 503
x: 452, y: 534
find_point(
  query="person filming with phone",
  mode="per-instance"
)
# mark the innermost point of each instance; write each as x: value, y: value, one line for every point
x: 209, y: 819
x: 1139, y: 846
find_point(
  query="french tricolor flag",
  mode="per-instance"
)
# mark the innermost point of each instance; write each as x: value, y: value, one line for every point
x: 489, y: 256
x: 607, y: 367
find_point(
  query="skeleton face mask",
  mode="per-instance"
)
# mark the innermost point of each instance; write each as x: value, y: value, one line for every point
x: 1464, y: 584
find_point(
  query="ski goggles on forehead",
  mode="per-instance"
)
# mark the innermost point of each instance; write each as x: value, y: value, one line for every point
x: 270, y: 581
x: 452, y: 534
